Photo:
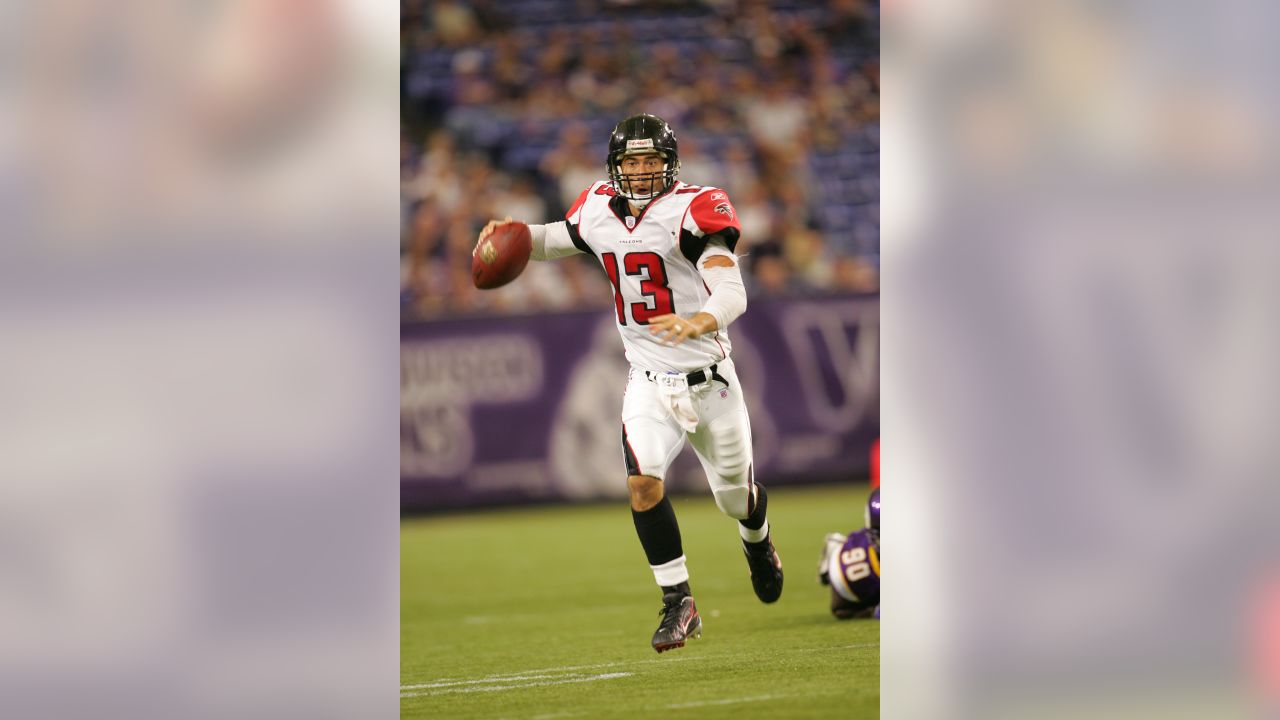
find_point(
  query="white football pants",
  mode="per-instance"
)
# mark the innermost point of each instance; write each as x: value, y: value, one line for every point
x: 653, y: 436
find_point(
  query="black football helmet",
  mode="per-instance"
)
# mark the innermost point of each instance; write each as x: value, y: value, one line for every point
x: 643, y: 134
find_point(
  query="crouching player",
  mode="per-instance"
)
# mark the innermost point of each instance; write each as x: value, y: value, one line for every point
x: 850, y: 564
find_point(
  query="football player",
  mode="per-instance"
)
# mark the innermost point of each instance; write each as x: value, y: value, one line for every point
x: 668, y: 249
x: 850, y: 564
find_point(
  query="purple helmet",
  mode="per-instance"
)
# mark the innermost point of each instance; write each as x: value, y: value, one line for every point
x: 873, y: 516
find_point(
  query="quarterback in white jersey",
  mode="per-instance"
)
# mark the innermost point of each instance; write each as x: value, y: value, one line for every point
x: 652, y: 261
x: 668, y: 249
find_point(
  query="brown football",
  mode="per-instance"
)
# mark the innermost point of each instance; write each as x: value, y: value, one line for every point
x: 501, y: 257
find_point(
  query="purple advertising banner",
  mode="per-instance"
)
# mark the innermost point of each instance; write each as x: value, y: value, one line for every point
x: 504, y: 410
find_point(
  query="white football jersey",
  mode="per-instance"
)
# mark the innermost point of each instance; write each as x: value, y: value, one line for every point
x: 650, y: 260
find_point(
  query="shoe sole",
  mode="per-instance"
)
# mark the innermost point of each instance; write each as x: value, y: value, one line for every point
x: 770, y: 598
x: 696, y: 634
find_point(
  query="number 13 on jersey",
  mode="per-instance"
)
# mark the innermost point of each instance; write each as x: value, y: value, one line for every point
x: 653, y: 286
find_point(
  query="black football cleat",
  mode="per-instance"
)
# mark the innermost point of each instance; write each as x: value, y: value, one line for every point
x: 679, y: 621
x: 766, y: 569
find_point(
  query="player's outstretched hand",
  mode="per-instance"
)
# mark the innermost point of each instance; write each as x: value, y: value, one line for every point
x: 488, y: 230
x: 673, y: 329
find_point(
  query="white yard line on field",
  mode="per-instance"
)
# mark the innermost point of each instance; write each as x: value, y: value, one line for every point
x: 543, y: 673
x: 481, y: 681
x: 520, y: 686
x: 500, y: 677
x: 504, y: 677
x: 729, y: 701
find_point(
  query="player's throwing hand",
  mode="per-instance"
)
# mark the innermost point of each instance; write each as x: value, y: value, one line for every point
x: 673, y: 329
x: 487, y: 231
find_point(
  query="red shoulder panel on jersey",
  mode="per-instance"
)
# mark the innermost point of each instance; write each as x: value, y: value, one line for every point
x: 713, y: 212
x: 577, y: 204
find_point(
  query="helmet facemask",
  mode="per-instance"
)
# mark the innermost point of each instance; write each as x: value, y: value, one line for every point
x: 659, y: 182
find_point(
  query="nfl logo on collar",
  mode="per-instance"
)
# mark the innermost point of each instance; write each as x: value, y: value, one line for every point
x: 631, y: 221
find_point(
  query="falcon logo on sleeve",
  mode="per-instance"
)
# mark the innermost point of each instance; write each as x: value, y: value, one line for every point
x: 713, y: 212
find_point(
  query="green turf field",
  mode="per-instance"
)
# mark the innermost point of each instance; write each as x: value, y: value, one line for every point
x: 547, y: 613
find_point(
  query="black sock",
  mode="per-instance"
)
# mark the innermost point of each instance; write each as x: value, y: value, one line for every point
x: 659, y: 533
x: 755, y: 518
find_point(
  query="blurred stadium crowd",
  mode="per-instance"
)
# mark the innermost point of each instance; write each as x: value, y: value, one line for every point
x: 506, y: 108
